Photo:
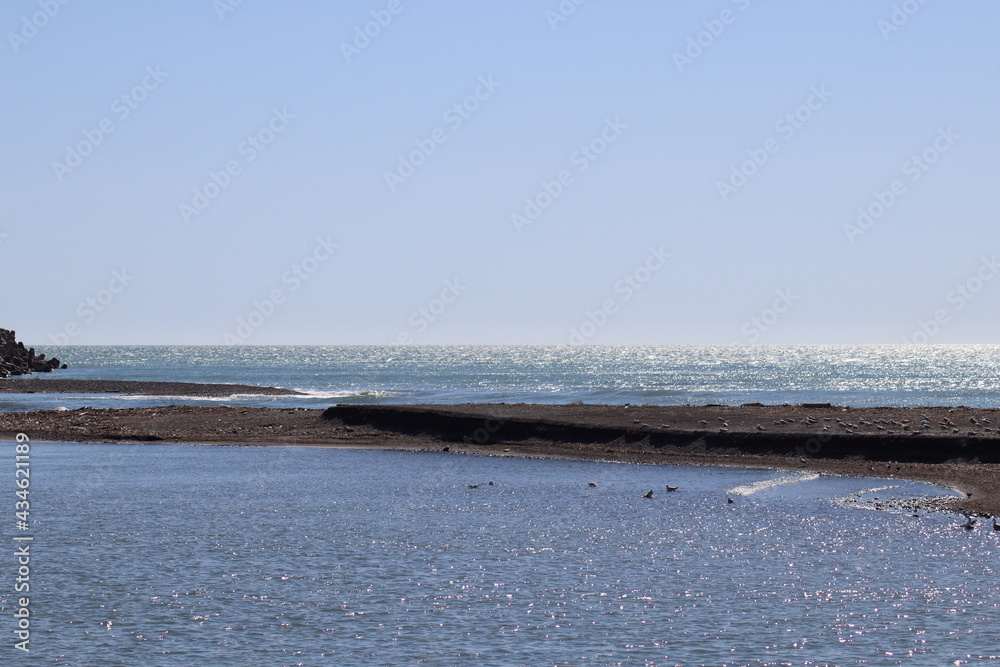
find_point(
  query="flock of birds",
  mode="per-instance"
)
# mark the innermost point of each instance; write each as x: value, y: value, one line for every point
x: 969, y: 524
x: 888, y: 426
x: 648, y: 494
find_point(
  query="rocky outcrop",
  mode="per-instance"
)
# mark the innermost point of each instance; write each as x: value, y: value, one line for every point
x: 15, y: 359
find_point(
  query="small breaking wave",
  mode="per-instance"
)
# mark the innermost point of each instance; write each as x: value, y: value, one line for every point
x: 345, y: 393
x: 754, y: 487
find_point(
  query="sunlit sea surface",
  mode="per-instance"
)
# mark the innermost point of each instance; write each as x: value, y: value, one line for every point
x: 848, y: 375
x: 192, y: 555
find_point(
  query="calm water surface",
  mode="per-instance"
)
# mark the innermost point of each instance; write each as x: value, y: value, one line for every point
x: 187, y: 555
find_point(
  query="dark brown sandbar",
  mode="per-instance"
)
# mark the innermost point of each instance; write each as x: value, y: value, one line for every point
x: 139, y: 388
x: 966, y: 460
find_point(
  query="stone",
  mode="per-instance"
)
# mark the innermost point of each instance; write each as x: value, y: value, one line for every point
x: 16, y: 360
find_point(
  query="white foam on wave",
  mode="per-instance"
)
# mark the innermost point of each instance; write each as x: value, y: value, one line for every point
x: 754, y: 487
x: 157, y: 397
x: 343, y: 393
x: 304, y: 394
x: 185, y: 397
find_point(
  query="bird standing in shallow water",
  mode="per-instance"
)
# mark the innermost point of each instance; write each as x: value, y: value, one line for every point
x: 969, y: 524
x: 996, y: 526
x: 648, y: 495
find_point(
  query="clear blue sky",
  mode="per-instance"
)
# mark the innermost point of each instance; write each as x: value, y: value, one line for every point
x: 117, y: 115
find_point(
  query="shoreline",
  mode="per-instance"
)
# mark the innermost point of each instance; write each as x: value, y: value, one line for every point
x: 38, y: 385
x: 965, y: 459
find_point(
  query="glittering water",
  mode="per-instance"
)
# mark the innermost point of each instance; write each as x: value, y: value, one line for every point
x: 185, y: 555
x: 847, y: 375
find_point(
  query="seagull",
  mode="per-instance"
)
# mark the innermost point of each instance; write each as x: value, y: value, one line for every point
x: 473, y: 486
x: 674, y: 488
x: 970, y: 524
x: 648, y: 495
x: 591, y: 483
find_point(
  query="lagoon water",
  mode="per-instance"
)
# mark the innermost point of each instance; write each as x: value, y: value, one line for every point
x: 193, y: 555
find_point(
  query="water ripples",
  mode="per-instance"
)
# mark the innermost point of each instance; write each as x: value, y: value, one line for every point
x: 233, y: 556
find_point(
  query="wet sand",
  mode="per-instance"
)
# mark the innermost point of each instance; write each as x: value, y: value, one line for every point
x: 956, y: 447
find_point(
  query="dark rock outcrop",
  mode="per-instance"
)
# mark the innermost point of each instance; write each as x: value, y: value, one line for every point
x: 15, y: 359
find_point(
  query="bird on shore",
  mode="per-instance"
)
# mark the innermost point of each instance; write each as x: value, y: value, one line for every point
x: 648, y: 495
x: 969, y: 524
x: 671, y: 488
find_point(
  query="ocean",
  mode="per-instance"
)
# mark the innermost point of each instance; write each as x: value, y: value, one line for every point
x: 159, y: 554
x: 870, y: 375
